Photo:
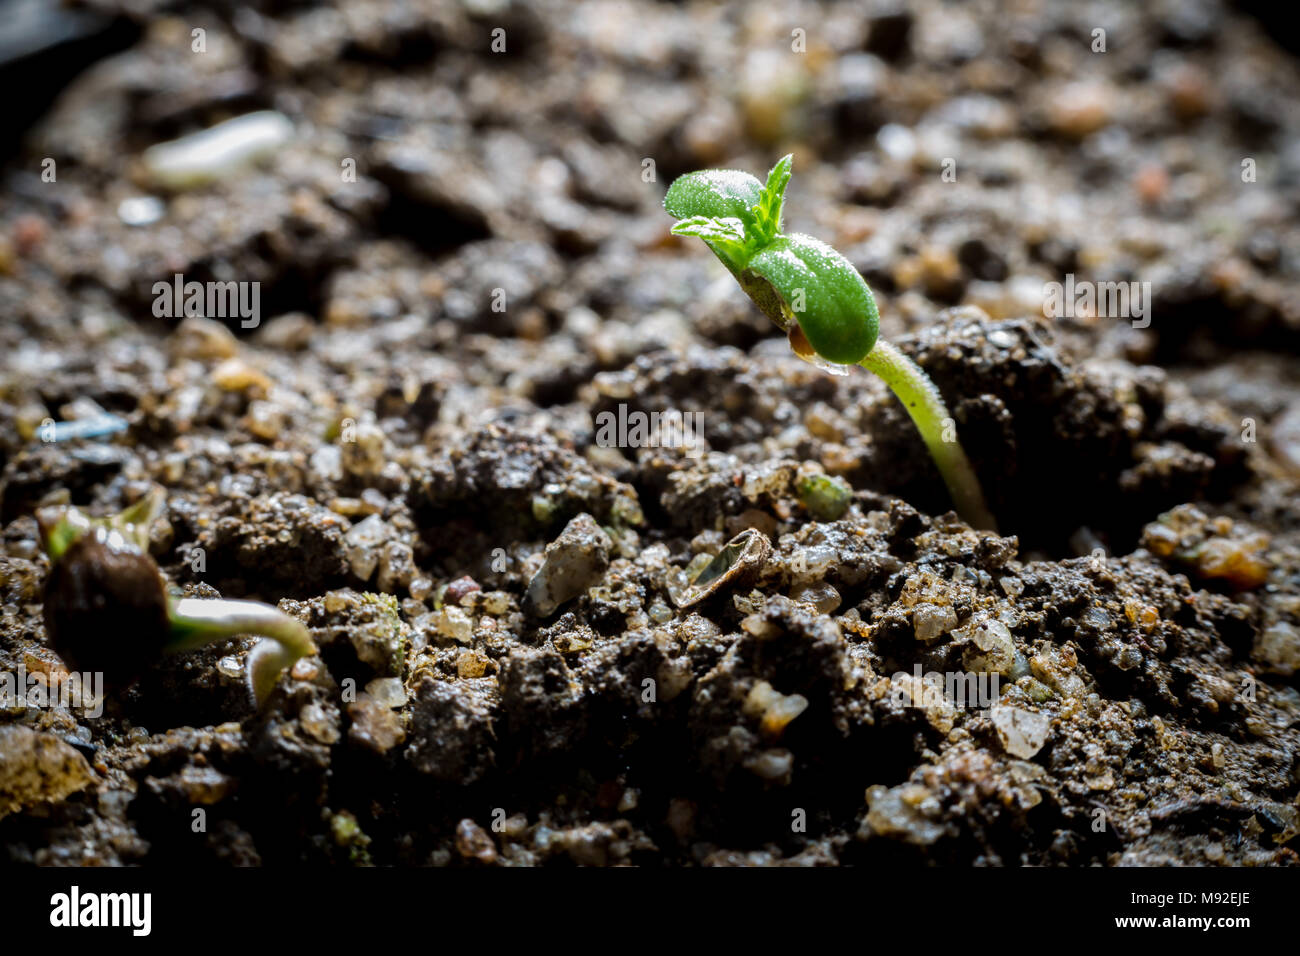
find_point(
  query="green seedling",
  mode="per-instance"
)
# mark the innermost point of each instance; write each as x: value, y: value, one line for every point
x: 820, y: 301
x: 108, y: 608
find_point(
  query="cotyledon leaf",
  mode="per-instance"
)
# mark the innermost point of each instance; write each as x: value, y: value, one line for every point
x: 716, y: 193
x: 822, y: 291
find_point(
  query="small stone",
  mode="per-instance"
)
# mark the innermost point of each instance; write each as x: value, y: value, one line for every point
x: 940, y: 272
x: 1055, y: 668
x: 292, y: 332
x: 364, y: 540
x: 316, y: 722
x: 932, y: 621
x: 496, y: 603
x: 36, y: 768
x: 811, y: 564
x: 994, y: 650
x: 1242, y: 562
x: 771, y: 764
x: 1022, y: 732
x: 203, y: 339
x: 574, y: 561
x: 1082, y: 108
x: 1151, y: 183
x: 822, y: 596
x: 473, y: 843
x: 453, y: 623
x: 459, y: 588
x: 396, y: 567
x: 777, y: 710
x: 363, y: 450
x: 236, y: 375
x: 471, y: 664
x: 374, y: 725
x: 305, y: 668
x: 217, y: 152
x: 141, y: 210
x: 336, y: 601
x: 264, y: 420
x: 378, y: 633
x: 1190, y: 91
x: 543, y: 509
x: 904, y: 813
x: 1278, y: 646
x: 660, y: 612
x: 387, y: 691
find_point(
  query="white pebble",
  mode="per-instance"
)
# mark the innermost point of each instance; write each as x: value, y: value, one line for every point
x: 140, y: 210
x: 217, y: 152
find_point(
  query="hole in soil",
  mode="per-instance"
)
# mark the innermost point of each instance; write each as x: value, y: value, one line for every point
x: 436, y: 229
x: 296, y: 289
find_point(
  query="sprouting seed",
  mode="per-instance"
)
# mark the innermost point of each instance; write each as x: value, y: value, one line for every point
x: 108, y: 608
x: 816, y: 296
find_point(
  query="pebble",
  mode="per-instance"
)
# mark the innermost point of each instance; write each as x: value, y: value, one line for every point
x: 218, y: 152
x: 203, y: 339
x: 453, y: 623
x: 775, y: 709
x: 1022, y: 732
x: 771, y: 764
x: 994, y: 650
x: 236, y: 375
x: 364, y: 540
x: 317, y: 723
x: 374, y: 725
x: 363, y: 450
x: 1286, y: 437
x: 459, y: 588
x: 1240, y: 561
x: 1152, y: 183
x: 471, y: 664
x: 37, y: 767
x: 1278, y: 646
x: 1080, y: 109
x: 574, y: 561
x: 897, y: 142
x: 473, y: 842
x: 932, y: 621
x: 387, y: 691
x: 822, y: 596
x: 141, y: 210
x: 902, y: 812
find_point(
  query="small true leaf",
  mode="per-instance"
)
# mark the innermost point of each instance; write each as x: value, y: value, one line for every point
x: 711, y: 230
x: 767, y: 214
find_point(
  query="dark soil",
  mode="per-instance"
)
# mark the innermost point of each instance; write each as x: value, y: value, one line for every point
x: 418, y: 407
